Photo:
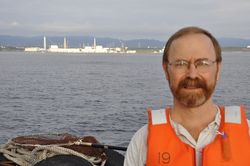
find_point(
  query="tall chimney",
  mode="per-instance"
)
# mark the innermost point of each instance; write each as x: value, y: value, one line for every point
x: 65, y: 43
x: 94, y: 43
x: 44, y: 44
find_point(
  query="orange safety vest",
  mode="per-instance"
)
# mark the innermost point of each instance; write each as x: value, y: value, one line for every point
x: 229, y: 149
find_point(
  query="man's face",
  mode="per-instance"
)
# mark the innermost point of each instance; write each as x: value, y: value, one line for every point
x: 192, y: 88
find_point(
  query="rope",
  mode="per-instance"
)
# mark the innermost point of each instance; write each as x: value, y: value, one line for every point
x: 6, y: 163
x: 216, y: 132
x: 28, y: 158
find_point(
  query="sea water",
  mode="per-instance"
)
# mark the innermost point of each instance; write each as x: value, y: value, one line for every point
x: 103, y: 95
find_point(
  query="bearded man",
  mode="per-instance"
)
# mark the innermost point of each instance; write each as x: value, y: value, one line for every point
x: 193, y: 131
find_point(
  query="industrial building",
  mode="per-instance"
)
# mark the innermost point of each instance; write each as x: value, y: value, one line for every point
x: 87, y: 49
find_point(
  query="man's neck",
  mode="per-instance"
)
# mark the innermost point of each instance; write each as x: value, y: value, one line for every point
x: 194, y: 119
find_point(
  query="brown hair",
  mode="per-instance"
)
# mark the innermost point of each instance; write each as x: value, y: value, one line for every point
x: 190, y: 30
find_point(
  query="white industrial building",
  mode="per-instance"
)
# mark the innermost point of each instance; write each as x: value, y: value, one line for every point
x: 87, y: 49
x: 131, y: 51
x: 55, y: 49
x: 95, y: 49
x: 32, y: 49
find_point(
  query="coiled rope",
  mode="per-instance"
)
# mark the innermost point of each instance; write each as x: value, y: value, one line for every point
x: 26, y: 157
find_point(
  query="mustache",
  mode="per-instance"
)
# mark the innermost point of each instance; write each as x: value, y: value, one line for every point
x: 192, y: 83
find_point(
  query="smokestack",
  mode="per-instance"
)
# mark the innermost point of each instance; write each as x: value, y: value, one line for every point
x: 44, y: 44
x: 94, y: 43
x: 65, y: 43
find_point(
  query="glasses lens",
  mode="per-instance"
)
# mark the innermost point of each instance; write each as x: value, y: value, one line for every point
x: 203, y: 65
x: 179, y: 66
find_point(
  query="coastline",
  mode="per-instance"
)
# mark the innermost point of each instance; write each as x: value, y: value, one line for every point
x: 138, y: 50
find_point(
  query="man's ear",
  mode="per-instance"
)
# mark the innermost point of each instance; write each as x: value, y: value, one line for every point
x: 218, y: 71
x: 165, y: 68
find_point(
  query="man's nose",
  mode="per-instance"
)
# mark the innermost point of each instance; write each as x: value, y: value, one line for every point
x: 192, y: 71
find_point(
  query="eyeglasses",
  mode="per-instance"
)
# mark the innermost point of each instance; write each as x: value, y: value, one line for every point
x: 200, y: 65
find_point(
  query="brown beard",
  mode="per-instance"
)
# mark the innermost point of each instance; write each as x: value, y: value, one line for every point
x: 193, y: 99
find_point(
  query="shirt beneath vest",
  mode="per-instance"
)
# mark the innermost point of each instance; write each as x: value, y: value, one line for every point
x: 136, y: 154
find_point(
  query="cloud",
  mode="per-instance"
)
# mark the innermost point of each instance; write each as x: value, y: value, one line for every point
x: 124, y: 31
x: 12, y: 26
x: 15, y: 24
x: 129, y: 20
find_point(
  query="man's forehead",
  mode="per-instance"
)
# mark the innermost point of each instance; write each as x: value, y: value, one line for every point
x: 192, y: 38
x: 192, y: 46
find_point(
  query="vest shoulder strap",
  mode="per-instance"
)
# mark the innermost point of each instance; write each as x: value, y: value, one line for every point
x: 159, y: 117
x: 233, y: 114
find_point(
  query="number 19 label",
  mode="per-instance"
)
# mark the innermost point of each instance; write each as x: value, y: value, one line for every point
x: 163, y: 157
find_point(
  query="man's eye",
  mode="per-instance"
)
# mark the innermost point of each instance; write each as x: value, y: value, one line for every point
x: 202, y: 63
x: 181, y: 63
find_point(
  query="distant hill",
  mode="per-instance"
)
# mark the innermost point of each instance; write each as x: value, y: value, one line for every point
x: 75, y: 41
x: 79, y: 41
x: 233, y: 42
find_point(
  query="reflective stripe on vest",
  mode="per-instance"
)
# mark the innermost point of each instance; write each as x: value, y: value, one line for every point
x: 165, y: 147
x: 233, y: 114
x: 159, y: 117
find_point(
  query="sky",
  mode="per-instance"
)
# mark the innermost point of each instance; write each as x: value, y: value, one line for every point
x: 126, y: 19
